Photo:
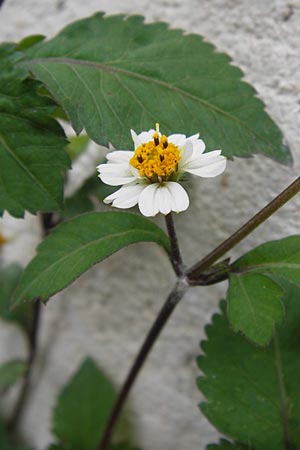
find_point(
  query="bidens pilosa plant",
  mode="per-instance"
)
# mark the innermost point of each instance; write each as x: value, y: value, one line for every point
x: 93, y: 76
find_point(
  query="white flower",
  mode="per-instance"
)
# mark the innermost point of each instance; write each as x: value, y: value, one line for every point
x: 150, y: 174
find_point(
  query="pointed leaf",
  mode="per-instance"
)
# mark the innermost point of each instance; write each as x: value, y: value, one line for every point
x: 32, y: 155
x: 76, y: 245
x: 83, y: 408
x: 9, y: 278
x: 279, y: 258
x: 253, y: 393
x: 254, y: 306
x: 10, y: 373
x: 114, y: 73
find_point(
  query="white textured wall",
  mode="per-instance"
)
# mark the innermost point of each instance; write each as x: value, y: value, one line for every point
x: 107, y: 312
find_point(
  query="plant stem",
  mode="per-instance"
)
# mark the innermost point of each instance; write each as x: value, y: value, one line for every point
x: 173, y: 299
x: 33, y: 333
x: 47, y: 224
x: 244, y: 231
x: 176, y: 259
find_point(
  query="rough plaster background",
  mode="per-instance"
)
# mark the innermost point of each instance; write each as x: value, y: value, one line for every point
x: 107, y: 312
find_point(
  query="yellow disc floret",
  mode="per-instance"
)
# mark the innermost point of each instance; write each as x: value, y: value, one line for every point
x: 158, y: 159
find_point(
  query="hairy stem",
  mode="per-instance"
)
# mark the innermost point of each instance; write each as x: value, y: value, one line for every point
x: 162, y: 318
x: 176, y: 259
x: 195, y: 271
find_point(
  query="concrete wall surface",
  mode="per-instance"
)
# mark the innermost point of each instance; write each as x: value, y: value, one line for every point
x: 107, y: 311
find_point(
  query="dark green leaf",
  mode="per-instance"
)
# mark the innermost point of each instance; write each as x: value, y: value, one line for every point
x: 279, y: 258
x: 83, y: 408
x: 4, y: 441
x: 32, y: 155
x: 9, y: 278
x: 113, y: 73
x: 11, y: 372
x: 253, y: 393
x: 76, y: 245
x: 254, y: 305
x: 4, y: 444
x: 225, y: 445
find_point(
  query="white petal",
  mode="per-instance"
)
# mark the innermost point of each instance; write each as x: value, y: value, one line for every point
x: 194, y: 137
x: 119, y: 157
x: 179, y: 197
x: 198, y: 146
x: 163, y: 198
x: 197, y: 161
x: 177, y: 139
x: 186, y: 155
x: 115, y: 174
x: 148, y: 204
x: 211, y: 168
x: 126, y: 197
x: 142, y: 138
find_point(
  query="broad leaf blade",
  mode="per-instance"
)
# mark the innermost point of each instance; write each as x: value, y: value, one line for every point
x: 76, y: 245
x: 32, y: 155
x: 254, y: 306
x: 113, y: 73
x: 11, y: 372
x: 279, y: 258
x: 83, y: 408
x: 250, y: 389
x: 9, y: 278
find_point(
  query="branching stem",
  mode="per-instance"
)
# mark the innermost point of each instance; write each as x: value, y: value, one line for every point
x: 190, y: 277
x: 173, y: 299
x: 196, y: 270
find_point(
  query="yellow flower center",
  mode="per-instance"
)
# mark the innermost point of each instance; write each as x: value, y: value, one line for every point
x: 157, y: 159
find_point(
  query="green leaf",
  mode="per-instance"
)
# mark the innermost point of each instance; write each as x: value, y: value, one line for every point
x: 254, y: 305
x: 114, y: 73
x: 76, y: 245
x: 11, y: 372
x: 83, y: 408
x: 4, y: 441
x: 29, y: 41
x: 4, y: 444
x: 77, y: 145
x: 279, y: 258
x: 32, y: 155
x: 226, y: 445
x: 253, y: 393
x: 9, y: 278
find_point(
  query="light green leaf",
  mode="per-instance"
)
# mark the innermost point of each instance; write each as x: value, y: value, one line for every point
x: 254, y: 306
x: 114, y: 73
x: 76, y: 245
x: 279, y: 258
x: 11, y: 372
x: 83, y: 408
x: 225, y: 445
x: 32, y: 155
x: 9, y: 278
x: 253, y: 393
